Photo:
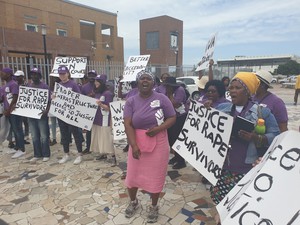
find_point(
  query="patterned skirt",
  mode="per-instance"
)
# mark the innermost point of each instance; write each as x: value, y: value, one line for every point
x: 224, y: 185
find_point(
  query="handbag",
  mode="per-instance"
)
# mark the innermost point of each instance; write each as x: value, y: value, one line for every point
x: 144, y: 142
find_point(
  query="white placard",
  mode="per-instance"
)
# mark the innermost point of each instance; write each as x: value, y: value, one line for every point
x: 125, y: 87
x: 76, y: 66
x: 269, y: 193
x: 73, y: 108
x: 117, y: 109
x: 31, y: 102
x: 203, y: 140
x: 208, y: 54
x: 134, y: 65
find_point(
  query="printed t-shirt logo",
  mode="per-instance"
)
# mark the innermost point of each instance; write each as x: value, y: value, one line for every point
x: 155, y: 103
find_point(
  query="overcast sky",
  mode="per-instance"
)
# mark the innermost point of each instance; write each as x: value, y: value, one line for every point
x: 245, y: 28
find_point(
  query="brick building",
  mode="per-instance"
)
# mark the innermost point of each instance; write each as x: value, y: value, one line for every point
x: 162, y: 38
x: 72, y: 30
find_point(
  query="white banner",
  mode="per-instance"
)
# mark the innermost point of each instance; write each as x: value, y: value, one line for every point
x: 73, y: 108
x: 134, y: 65
x: 208, y: 54
x: 76, y: 66
x: 203, y: 140
x: 269, y: 193
x: 117, y: 109
x: 31, y: 102
x: 125, y: 87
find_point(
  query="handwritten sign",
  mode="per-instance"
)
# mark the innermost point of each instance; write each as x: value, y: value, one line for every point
x: 134, y: 65
x: 269, y: 193
x: 31, y: 102
x: 203, y: 140
x: 125, y: 87
x: 73, y: 108
x: 117, y: 109
x: 76, y: 66
x: 208, y: 54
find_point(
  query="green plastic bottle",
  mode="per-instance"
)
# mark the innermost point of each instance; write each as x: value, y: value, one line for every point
x: 260, y: 127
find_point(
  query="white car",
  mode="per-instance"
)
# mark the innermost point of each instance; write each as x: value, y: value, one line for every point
x: 290, y: 79
x: 191, y: 84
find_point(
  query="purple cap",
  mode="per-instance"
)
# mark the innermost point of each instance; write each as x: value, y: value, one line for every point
x: 8, y: 71
x: 102, y: 77
x: 63, y: 70
x: 35, y: 70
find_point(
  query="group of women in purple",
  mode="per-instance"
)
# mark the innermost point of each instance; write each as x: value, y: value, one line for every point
x: 101, y: 139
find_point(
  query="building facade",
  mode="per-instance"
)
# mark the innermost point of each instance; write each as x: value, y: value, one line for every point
x: 72, y: 29
x: 162, y: 38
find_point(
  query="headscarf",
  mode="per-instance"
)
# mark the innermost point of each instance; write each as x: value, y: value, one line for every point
x: 143, y: 72
x: 248, y: 80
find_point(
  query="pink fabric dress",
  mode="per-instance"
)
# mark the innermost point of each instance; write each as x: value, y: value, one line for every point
x: 149, y: 171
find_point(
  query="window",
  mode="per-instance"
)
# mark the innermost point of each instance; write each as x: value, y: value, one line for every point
x: 31, y: 27
x: 61, y: 32
x: 152, y: 40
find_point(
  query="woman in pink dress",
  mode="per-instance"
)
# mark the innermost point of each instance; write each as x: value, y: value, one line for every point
x: 147, y: 116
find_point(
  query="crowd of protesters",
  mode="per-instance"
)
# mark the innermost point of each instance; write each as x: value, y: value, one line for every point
x: 154, y: 107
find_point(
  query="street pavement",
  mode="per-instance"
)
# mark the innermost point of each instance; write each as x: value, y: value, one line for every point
x: 94, y: 193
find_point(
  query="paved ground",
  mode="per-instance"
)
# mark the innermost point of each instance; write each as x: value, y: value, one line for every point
x: 93, y: 192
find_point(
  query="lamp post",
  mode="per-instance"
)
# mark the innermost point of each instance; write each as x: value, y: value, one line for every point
x: 176, y: 62
x: 44, y: 32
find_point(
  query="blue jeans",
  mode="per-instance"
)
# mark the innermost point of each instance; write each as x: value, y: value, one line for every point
x: 65, y: 129
x: 16, y: 126
x: 40, y: 133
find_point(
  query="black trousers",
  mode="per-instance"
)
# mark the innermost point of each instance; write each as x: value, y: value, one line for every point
x: 173, y: 133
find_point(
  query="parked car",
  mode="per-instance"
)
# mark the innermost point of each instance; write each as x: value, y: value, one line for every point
x: 191, y: 84
x: 290, y: 79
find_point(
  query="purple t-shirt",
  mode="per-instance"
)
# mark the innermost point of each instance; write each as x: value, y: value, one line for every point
x: 132, y: 92
x: 11, y: 88
x: 276, y: 105
x: 179, y: 98
x: 148, y: 112
x: 87, y: 89
x: 70, y: 84
x: 102, y: 117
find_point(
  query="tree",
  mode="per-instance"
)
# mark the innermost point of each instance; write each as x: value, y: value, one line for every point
x: 289, y: 68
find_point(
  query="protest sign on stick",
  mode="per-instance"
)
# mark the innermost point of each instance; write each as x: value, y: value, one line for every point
x: 269, y: 193
x: 134, y: 65
x: 31, y: 102
x: 203, y: 140
x: 208, y: 54
x: 73, y: 108
x: 76, y: 66
x: 117, y: 109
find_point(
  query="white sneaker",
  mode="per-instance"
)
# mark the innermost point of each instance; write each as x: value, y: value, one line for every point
x: 34, y: 159
x: 11, y: 151
x: 78, y: 160
x: 46, y: 159
x: 18, y: 154
x: 64, y: 159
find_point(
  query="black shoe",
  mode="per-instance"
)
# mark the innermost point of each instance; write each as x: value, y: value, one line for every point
x: 101, y: 157
x: 172, y: 161
x: 11, y: 145
x: 86, y: 151
x: 178, y: 166
x: 126, y: 148
x: 53, y: 142
x: 204, y: 181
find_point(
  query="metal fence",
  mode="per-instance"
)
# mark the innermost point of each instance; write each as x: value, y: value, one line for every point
x: 110, y: 68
